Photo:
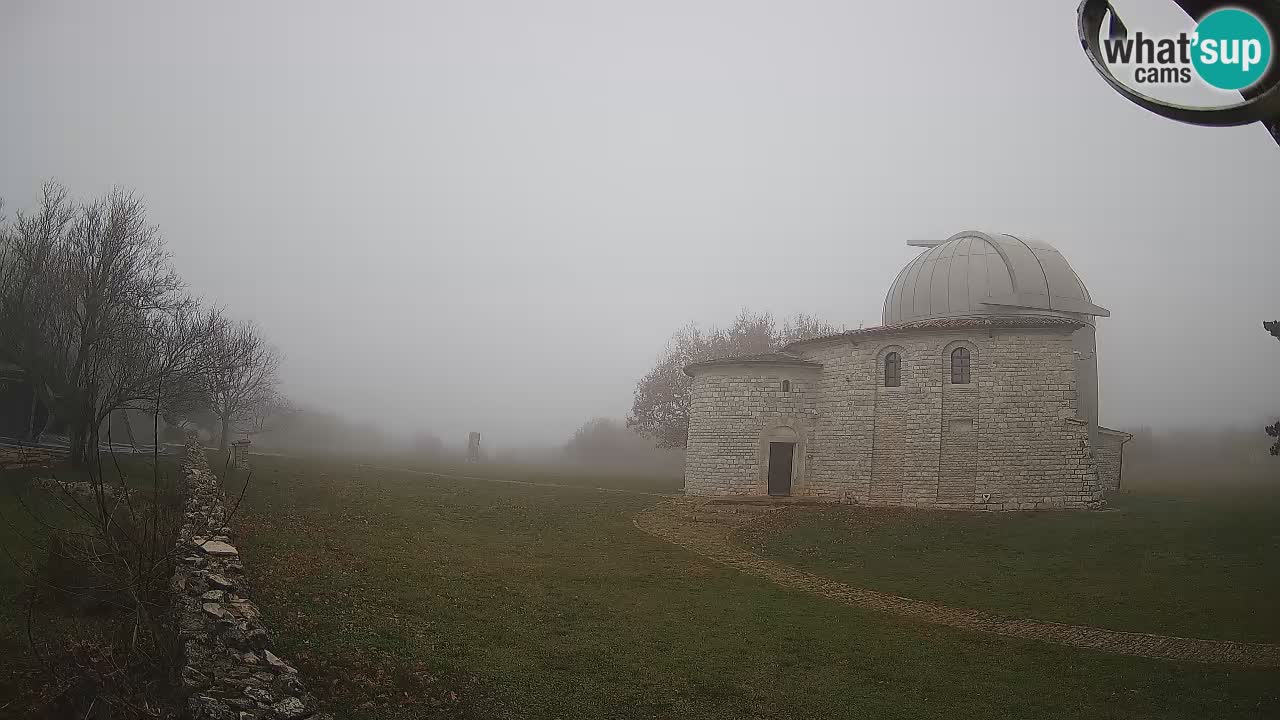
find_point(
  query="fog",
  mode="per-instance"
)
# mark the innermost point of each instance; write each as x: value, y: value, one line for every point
x: 491, y: 215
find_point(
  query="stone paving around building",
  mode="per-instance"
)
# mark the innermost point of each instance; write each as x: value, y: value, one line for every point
x: 705, y: 527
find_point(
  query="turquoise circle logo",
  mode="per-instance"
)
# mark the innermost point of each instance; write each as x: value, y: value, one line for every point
x: 1233, y: 49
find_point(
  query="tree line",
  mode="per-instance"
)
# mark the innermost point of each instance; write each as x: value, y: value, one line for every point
x: 660, y: 407
x: 95, y: 315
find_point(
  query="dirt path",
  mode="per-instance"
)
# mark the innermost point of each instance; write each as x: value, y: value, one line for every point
x: 689, y: 524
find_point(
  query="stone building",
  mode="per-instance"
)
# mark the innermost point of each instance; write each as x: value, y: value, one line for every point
x: 979, y: 391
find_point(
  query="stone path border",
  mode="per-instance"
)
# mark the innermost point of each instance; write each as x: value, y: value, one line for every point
x: 674, y: 521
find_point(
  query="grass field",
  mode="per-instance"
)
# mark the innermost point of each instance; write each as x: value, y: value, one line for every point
x: 26, y: 516
x: 1195, y: 567
x: 401, y: 595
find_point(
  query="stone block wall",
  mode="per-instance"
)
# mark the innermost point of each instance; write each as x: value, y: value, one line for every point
x: 958, y: 450
x: 1110, y: 457
x: 1005, y: 441
x: 1034, y: 456
x: 732, y: 413
x: 228, y: 670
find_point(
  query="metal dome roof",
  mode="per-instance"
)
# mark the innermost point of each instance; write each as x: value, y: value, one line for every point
x: 974, y: 273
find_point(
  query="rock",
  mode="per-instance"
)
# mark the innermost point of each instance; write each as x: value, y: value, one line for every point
x: 218, y: 547
x: 214, y: 596
x: 234, y: 637
x: 203, y: 707
x: 251, y: 682
x: 214, y: 610
x: 193, y: 679
x: 246, y: 610
x: 258, y: 639
x: 260, y: 696
x: 219, y: 582
x: 196, y: 653
x: 288, y: 684
x: 276, y: 663
x: 190, y: 624
x: 289, y: 709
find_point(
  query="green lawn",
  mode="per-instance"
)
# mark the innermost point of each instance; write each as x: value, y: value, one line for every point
x: 1197, y: 567
x: 566, y: 474
x: 404, y: 596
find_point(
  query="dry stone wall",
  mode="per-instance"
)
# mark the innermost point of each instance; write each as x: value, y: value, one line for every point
x: 228, y: 671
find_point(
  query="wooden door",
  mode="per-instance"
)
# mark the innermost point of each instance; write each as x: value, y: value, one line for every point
x: 780, y: 456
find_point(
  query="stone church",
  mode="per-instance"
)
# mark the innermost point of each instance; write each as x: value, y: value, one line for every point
x: 979, y: 391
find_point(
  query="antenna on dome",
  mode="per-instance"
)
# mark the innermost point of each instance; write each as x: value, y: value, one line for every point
x: 925, y: 243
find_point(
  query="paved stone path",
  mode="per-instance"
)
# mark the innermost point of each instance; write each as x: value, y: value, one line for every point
x: 688, y: 523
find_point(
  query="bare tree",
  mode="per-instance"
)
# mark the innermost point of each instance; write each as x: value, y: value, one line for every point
x: 92, y: 310
x: 660, y: 409
x: 85, y: 288
x: 243, y: 390
x: 180, y: 354
x: 608, y: 443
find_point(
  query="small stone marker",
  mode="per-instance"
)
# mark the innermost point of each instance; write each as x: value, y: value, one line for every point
x: 473, y: 447
x: 240, y: 454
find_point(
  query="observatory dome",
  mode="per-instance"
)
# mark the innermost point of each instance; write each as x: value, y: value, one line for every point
x: 973, y: 274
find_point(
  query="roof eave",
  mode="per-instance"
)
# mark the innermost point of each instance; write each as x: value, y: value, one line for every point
x: 1014, y: 322
x: 691, y: 368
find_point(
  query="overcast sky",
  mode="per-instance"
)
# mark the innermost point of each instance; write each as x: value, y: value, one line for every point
x: 491, y: 215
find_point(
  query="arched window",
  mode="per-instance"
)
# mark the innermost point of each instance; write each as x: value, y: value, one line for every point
x: 960, y: 366
x: 786, y: 386
x: 892, y: 370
